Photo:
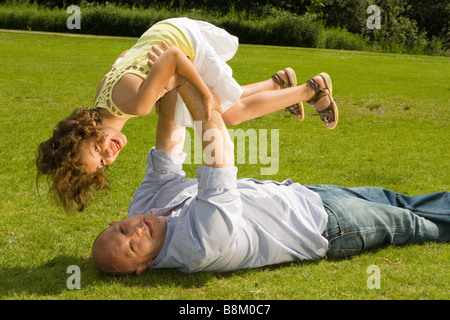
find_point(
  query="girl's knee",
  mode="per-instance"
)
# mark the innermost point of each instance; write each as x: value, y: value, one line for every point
x: 234, y: 115
x: 231, y: 118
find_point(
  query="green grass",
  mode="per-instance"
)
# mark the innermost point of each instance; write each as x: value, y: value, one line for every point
x: 393, y: 132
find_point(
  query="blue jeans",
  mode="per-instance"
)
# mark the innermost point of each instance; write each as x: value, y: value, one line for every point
x: 366, y: 218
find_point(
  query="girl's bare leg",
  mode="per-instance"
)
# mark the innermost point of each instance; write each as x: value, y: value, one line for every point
x: 265, y: 102
x: 265, y: 85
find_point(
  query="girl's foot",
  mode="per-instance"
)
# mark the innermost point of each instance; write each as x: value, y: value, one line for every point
x: 286, y: 79
x: 321, y: 98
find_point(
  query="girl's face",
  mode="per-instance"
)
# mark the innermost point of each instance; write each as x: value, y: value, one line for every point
x: 95, y: 155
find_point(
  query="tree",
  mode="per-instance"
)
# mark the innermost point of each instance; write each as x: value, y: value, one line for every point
x: 397, y: 29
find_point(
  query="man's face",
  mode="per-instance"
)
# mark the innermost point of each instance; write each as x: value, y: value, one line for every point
x: 130, y: 245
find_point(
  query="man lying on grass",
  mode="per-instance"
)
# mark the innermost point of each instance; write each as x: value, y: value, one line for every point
x: 220, y: 223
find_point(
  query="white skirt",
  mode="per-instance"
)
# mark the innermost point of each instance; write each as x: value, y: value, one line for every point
x: 213, y: 46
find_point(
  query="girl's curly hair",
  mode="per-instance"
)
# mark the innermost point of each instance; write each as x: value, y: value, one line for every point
x: 59, y: 159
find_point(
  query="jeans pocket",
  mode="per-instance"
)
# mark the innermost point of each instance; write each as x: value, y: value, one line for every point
x: 334, y: 228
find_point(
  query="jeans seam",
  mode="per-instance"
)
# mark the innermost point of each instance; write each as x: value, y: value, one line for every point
x: 339, y: 223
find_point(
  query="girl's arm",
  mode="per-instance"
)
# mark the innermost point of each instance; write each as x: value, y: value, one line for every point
x: 172, y: 61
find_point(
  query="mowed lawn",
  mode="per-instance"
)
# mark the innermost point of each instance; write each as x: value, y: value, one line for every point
x: 393, y: 132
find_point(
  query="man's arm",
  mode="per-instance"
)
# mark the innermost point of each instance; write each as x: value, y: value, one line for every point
x: 164, y: 162
x: 212, y: 221
x: 169, y: 138
x: 217, y: 146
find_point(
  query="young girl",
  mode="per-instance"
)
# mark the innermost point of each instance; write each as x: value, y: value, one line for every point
x: 75, y: 158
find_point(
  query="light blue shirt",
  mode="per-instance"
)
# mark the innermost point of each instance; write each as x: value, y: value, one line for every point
x: 225, y: 223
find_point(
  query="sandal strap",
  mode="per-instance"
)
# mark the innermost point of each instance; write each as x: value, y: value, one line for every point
x: 278, y: 80
x: 294, y: 109
x: 327, y: 115
x: 320, y: 92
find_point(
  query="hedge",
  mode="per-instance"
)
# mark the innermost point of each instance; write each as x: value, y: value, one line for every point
x: 275, y: 28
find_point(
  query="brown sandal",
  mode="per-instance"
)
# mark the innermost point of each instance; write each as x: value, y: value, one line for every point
x: 296, y: 109
x: 330, y: 115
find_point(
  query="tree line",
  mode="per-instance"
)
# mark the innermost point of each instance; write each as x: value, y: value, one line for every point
x: 405, y: 23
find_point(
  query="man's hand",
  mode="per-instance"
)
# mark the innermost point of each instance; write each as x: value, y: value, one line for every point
x: 210, y: 105
x: 157, y: 51
x: 175, y: 81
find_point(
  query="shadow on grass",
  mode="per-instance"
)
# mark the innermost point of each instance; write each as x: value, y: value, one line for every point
x: 51, y: 278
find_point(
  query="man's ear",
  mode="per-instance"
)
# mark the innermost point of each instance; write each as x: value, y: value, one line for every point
x: 144, y: 266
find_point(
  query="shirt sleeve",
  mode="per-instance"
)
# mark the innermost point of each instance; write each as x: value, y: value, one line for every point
x: 163, y: 166
x: 162, y: 182
x: 214, y: 179
x: 215, y: 216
